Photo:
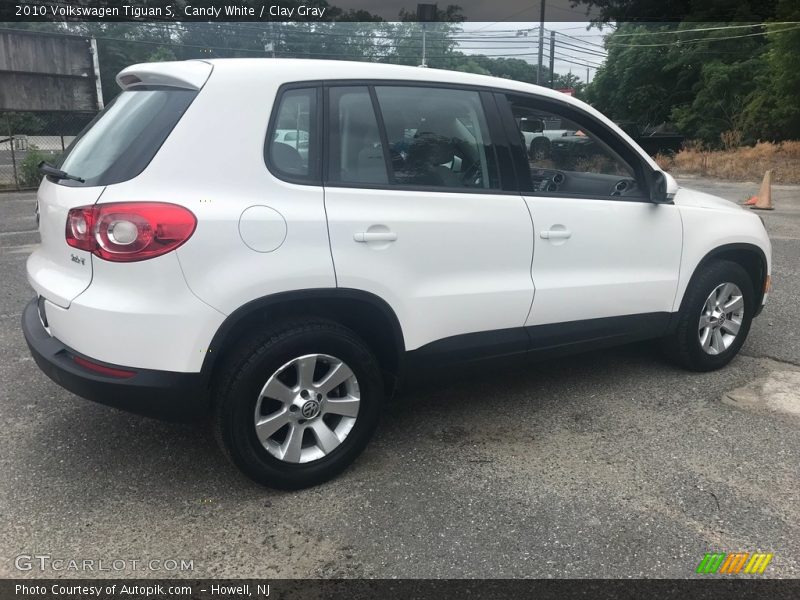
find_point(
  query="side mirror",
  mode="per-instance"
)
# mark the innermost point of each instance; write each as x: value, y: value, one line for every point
x: 658, y: 188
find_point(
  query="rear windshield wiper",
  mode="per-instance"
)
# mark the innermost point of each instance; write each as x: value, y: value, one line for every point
x: 51, y: 171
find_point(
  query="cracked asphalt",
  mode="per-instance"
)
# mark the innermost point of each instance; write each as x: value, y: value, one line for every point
x: 607, y: 464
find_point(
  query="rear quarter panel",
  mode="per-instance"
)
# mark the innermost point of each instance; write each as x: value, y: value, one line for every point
x: 213, y: 164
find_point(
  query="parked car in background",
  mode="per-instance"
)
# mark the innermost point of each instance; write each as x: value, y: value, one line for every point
x: 653, y: 140
x: 538, y: 137
x: 288, y: 293
x: 294, y: 138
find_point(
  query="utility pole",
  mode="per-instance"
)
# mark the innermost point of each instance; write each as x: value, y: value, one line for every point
x: 426, y: 13
x: 423, y: 47
x: 541, y: 44
x: 552, y: 58
x: 271, y: 45
x: 587, y: 75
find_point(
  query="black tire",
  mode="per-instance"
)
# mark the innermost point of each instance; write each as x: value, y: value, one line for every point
x: 684, y: 346
x: 240, y: 381
x: 540, y: 149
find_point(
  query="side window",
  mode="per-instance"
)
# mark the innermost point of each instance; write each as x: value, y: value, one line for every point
x: 355, y: 152
x: 290, y: 152
x: 566, y: 158
x: 437, y: 137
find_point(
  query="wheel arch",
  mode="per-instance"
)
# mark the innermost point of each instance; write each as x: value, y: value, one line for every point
x: 366, y: 314
x: 749, y: 256
x: 540, y: 141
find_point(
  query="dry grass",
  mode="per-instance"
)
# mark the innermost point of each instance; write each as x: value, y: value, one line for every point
x: 747, y: 163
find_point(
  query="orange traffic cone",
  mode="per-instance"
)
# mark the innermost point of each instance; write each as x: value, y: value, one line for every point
x: 764, y: 199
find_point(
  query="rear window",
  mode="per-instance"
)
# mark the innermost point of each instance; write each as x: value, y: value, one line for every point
x: 120, y: 142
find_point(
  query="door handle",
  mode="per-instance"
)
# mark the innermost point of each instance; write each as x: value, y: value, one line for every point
x: 555, y: 234
x: 375, y: 236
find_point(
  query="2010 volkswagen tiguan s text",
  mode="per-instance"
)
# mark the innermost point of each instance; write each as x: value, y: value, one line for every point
x: 278, y: 243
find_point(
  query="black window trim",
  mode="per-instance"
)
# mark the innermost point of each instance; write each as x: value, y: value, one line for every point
x: 314, y: 135
x: 387, y: 158
x: 514, y: 179
x: 641, y: 170
x: 504, y: 156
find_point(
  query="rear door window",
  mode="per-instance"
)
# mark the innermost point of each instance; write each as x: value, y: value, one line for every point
x: 355, y: 149
x: 438, y: 138
x: 122, y: 140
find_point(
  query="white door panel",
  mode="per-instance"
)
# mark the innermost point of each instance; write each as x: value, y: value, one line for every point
x: 460, y: 262
x: 602, y: 258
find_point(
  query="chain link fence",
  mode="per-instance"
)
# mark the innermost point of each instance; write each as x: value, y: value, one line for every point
x: 28, y: 138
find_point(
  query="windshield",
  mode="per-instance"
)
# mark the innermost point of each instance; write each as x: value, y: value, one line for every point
x: 120, y: 142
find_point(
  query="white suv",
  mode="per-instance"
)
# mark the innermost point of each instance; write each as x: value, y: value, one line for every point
x: 193, y: 261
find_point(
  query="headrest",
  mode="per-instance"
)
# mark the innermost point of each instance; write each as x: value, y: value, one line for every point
x: 431, y: 148
x: 286, y: 158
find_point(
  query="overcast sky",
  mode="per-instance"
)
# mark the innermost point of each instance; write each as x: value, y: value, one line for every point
x: 504, y: 17
x: 479, y: 10
x: 583, y: 46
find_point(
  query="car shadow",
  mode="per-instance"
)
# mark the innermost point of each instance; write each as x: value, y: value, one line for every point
x: 469, y: 384
x: 100, y: 448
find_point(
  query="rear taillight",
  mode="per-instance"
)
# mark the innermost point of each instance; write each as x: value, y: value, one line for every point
x: 129, y: 231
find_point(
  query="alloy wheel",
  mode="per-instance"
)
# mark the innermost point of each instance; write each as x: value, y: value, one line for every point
x: 721, y: 318
x: 307, y: 408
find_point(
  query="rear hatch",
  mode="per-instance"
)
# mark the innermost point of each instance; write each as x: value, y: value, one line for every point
x: 55, y: 270
x: 115, y: 147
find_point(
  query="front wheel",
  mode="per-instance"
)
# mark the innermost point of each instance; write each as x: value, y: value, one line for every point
x: 714, y: 319
x: 298, y: 403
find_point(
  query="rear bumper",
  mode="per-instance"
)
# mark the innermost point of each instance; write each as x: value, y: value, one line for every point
x: 161, y: 394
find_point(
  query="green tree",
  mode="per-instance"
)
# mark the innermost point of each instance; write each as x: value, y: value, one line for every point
x: 701, y: 81
x: 570, y: 80
x: 659, y: 11
x: 404, y: 38
x: 635, y: 83
x: 471, y: 66
x: 772, y: 111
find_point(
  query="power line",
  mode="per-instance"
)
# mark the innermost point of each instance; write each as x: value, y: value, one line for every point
x: 507, y: 40
x: 582, y: 41
x: 529, y: 34
x: 385, y: 51
x: 290, y: 33
x: 386, y: 48
x: 586, y: 27
x: 576, y: 61
x: 460, y: 47
x: 280, y: 29
x: 721, y: 27
x: 707, y: 39
x: 575, y: 48
x: 511, y: 16
x: 357, y: 54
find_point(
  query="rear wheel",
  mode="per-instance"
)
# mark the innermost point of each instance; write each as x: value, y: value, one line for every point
x: 714, y: 319
x: 298, y: 403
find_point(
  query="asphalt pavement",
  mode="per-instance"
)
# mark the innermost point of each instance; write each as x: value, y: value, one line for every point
x: 606, y: 464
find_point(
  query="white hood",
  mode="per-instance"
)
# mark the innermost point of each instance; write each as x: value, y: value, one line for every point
x: 689, y: 197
